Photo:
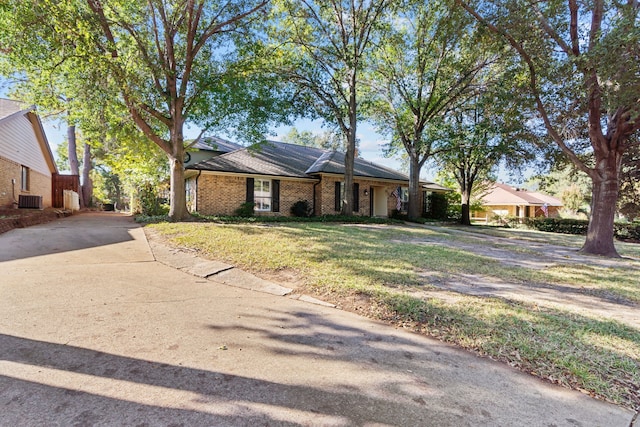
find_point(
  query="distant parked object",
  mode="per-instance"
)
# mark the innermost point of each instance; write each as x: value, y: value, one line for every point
x: 505, y: 201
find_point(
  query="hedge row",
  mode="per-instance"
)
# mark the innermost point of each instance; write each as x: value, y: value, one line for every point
x: 580, y: 226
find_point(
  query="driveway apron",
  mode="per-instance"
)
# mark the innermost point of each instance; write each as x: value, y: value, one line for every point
x: 95, y: 331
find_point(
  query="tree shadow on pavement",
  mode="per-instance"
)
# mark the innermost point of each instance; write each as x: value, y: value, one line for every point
x: 48, y: 381
x: 81, y: 231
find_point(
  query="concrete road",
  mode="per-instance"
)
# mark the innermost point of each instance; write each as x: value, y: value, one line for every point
x: 95, y: 331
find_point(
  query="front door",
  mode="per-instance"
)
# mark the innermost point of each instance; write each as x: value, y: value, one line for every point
x: 378, y: 202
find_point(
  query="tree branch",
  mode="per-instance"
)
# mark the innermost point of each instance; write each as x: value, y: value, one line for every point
x: 533, y: 84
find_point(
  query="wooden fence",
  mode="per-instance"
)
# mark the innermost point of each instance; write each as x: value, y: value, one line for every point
x: 61, y: 183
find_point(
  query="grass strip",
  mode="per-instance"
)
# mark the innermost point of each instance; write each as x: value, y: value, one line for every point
x: 390, y: 268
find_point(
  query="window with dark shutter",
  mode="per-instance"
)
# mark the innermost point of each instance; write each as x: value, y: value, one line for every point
x: 356, y: 197
x: 249, y: 190
x: 275, y: 195
x: 338, y: 196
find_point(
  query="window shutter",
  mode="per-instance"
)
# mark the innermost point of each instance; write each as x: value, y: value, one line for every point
x: 356, y: 197
x: 275, y: 195
x: 337, y: 196
x: 250, y: 184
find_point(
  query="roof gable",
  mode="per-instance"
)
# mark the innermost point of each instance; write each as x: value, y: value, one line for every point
x: 502, y: 194
x: 22, y: 138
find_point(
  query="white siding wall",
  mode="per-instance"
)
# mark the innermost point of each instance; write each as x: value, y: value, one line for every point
x: 8, y: 107
x: 18, y: 143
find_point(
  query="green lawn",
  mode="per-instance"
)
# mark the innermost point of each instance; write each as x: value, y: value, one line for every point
x: 393, y: 270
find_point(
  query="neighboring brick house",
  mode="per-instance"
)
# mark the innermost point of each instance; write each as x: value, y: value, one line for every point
x: 503, y: 200
x: 26, y: 161
x: 276, y: 175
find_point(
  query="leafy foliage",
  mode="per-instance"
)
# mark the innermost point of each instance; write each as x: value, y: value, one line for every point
x: 150, y: 202
x: 629, y: 231
x: 629, y: 200
x: 579, y: 67
x: 438, y: 206
x: 301, y: 208
x: 428, y: 64
x: 559, y: 225
x: 327, y: 140
x: 246, y: 210
x: 320, y: 48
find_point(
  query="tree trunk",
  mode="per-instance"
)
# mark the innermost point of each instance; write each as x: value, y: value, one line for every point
x: 604, y: 193
x: 87, y: 184
x: 349, y: 158
x: 413, y: 211
x: 72, y: 150
x: 177, y: 194
x: 72, y: 153
x: 466, y: 197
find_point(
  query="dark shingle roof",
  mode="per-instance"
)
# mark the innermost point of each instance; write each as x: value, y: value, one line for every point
x: 333, y: 162
x: 290, y: 160
x: 212, y: 143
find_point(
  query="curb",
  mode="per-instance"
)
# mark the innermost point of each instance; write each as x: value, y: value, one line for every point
x: 218, y: 272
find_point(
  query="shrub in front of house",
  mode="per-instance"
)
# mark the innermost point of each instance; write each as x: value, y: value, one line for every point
x: 438, y: 206
x: 150, y: 203
x: 396, y: 214
x: 559, y: 225
x: 301, y: 209
x: 625, y: 231
x: 245, y: 210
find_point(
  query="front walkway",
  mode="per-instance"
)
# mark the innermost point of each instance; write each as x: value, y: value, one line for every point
x: 537, y: 256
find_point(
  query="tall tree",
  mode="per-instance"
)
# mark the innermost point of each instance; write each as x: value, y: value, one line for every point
x: 169, y: 59
x: 481, y: 133
x: 428, y: 64
x: 40, y: 76
x: 321, y: 48
x: 172, y: 46
x: 581, y: 64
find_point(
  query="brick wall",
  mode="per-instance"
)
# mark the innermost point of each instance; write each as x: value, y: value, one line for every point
x: 326, y: 201
x: 8, y: 170
x: 222, y: 195
x: 291, y: 192
x: 39, y: 184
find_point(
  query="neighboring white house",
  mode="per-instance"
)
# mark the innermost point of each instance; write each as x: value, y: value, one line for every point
x: 26, y: 162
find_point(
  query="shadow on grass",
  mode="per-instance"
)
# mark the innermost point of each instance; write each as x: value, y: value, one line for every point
x: 602, y: 356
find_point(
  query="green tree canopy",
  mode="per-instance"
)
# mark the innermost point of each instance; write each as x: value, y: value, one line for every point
x: 580, y: 67
x: 321, y: 49
x: 429, y: 63
x: 171, y: 61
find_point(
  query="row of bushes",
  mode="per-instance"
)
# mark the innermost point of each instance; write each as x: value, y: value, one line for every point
x: 580, y: 226
x: 300, y: 209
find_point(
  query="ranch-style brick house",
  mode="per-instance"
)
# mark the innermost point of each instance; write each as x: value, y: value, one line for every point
x: 275, y: 175
x: 503, y: 200
x: 27, y: 165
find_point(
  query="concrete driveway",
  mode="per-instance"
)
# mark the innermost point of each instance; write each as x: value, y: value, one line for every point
x: 95, y: 331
